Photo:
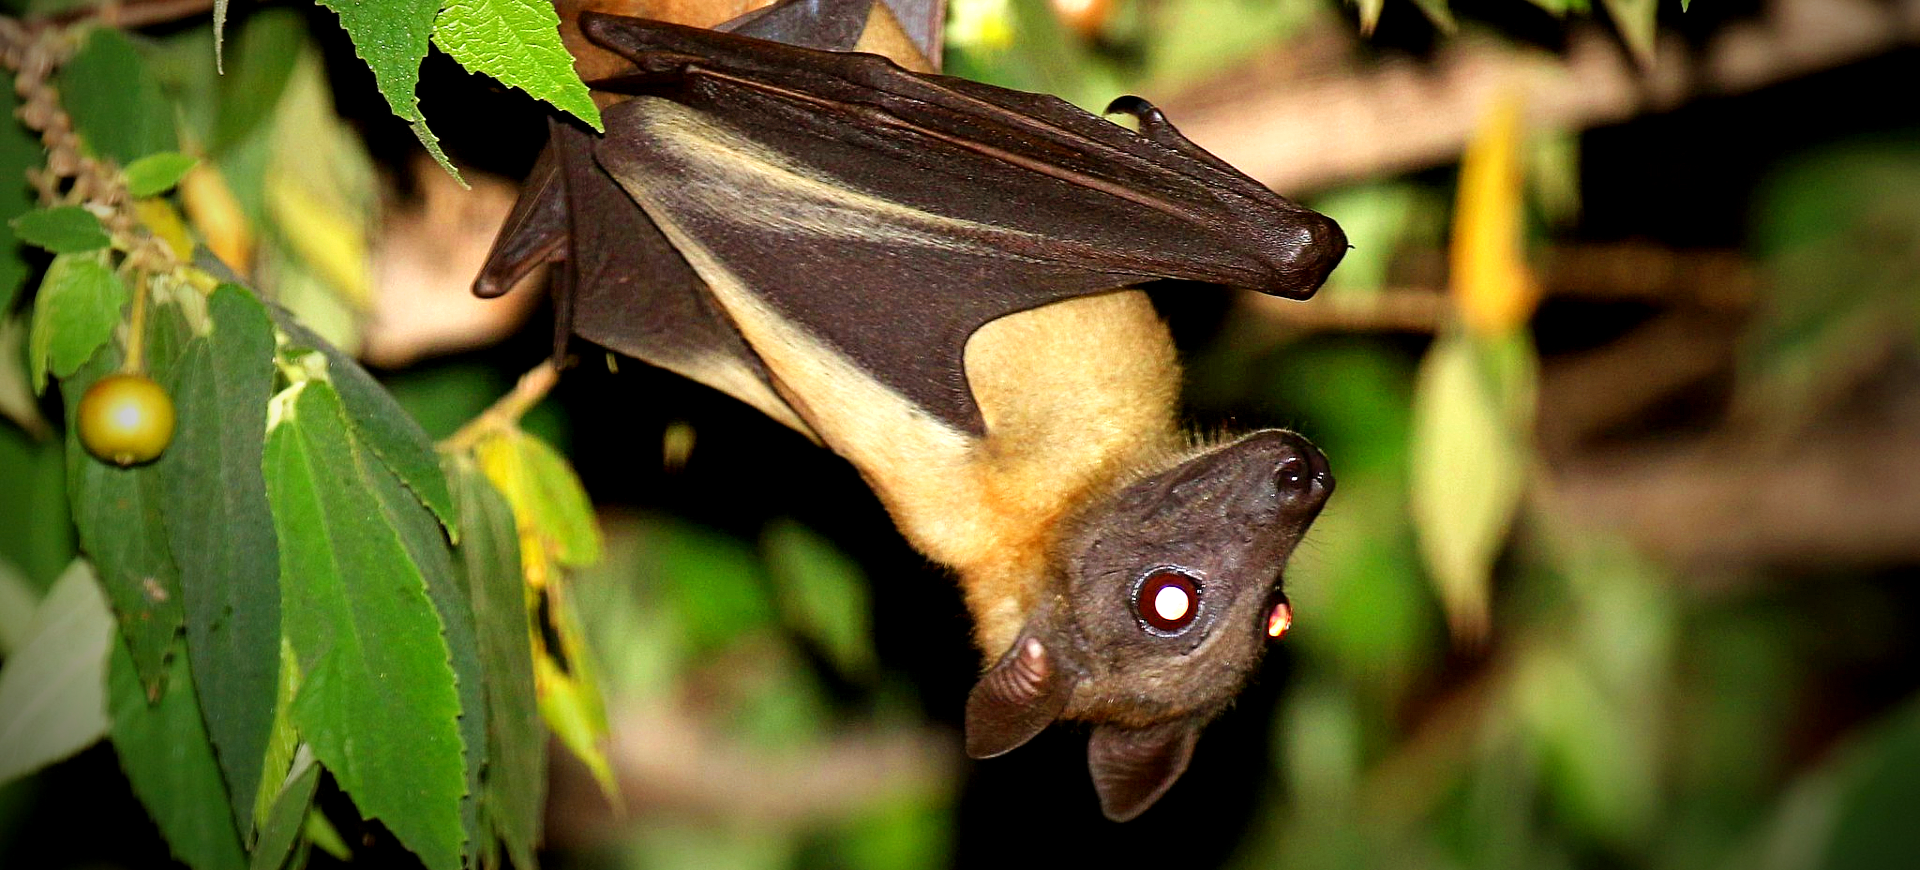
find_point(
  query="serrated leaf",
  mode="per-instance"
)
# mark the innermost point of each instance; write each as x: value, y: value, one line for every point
x: 392, y: 37
x: 1472, y: 406
x: 220, y: 528
x: 489, y: 552
x: 116, y: 104
x: 547, y: 498
x: 67, y: 229
x: 420, y: 533
x: 53, y: 689
x: 377, y: 699
x: 282, y: 825
x: 569, y: 688
x: 382, y: 425
x: 77, y: 308
x: 518, y: 43
x: 156, y: 174
x: 117, y: 514
x: 822, y: 594
x: 164, y: 752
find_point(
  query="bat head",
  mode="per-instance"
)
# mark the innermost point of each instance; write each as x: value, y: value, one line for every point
x: 1167, y: 592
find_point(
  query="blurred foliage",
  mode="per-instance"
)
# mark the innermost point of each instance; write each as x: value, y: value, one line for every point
x: 1474, y: 680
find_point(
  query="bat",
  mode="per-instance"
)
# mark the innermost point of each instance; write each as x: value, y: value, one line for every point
x: 937, y: 280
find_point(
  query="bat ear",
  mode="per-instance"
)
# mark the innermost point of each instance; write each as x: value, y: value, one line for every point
x: 1133, y: 767
x: 1017, y: 698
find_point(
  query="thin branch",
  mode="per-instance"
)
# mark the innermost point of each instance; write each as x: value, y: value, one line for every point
x: 1417, y: 301
x: 506, y: 411
x: 1306, y: 130
x: 133, y: 14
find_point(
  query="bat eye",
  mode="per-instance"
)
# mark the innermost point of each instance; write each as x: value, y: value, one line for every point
x: 1167, y: 600
x: 1279, y: 617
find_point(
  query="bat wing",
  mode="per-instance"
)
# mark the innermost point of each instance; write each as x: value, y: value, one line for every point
x: 889, y: 215
x: 620, y: 283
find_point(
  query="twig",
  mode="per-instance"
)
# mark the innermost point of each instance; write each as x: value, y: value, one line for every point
x: 1709, y: 280
x: 133, y: 14
x: 508, y: 409
x: 32, y: 54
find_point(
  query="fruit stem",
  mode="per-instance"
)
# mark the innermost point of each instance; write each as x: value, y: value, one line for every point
x: 136, y: 361
x: 508, y: 409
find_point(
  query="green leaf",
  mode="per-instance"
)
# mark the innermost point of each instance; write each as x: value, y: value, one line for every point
x: 265, y: 51
x: 515, y: 787
x: 33, y: 494
x: 1635, y: 20
x: 68, y: 229
x: 164, y: 752
x: 823, y: 594
x: 517, y: 42
x: 77, y: 308
x: 283, y: 823
x: 377, y: 698
x: 18, y: 599
x: 220, y: 528
x: 382, y: 425
x: 283, y: 741
x: 546, y: 495
x: 53, y: 689
x: 117, y: 513
x: 1878, y: 783
x: 156, y: 174
x: 20, y: 151
x: 715, y: 586
x: 1472, y: 408
x: 115, y: 102
x: 421, y: 535
x: 570, y: 699
x: 392, y: 37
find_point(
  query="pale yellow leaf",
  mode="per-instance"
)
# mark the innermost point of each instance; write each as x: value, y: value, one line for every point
x: 1491, y: 284
x: 1472, y: 407
x: 216, y: 213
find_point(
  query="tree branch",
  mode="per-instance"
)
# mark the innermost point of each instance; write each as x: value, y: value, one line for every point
x: 1305, y: 130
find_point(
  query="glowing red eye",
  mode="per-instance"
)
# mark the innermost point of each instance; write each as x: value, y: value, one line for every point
x: 1279, y: 618
x: 1168, y: 600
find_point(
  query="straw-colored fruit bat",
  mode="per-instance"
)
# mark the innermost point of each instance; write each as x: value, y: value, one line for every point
x: 930, y: 276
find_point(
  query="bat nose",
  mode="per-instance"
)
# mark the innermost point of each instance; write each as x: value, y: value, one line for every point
x: 1300, y: 471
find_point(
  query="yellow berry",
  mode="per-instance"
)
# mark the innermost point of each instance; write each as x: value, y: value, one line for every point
x: 126, y: 419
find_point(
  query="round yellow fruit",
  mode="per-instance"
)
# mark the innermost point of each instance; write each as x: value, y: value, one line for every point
x: 126, y: 419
